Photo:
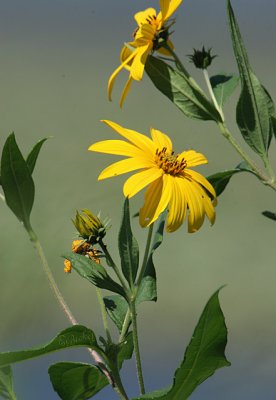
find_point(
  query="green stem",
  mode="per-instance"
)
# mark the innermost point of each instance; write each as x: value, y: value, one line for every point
x: 227, y: 134
x: 97, y: 358
x: 110, y: 261
x: 136, y: 346
x: 125, y: 326
x: 211, y: 93
x: 50, y: 278
x: 103, y: 312
x: 146, y: 256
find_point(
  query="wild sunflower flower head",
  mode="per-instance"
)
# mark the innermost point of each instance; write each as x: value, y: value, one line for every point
x: 152, y: 34
x: 170, y: 181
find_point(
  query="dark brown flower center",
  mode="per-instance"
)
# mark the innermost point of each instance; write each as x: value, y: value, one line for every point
x: 169, y: 162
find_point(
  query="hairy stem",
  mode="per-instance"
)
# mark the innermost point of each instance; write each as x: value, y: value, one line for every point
x: 103, y: 312
x: 136, y: 346
x: 97, y: 358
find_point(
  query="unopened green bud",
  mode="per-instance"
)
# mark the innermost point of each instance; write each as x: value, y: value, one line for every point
x: 89, y: 226
x: 201, y: 58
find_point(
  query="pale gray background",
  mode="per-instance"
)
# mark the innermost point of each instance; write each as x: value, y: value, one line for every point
x: 56, y: 57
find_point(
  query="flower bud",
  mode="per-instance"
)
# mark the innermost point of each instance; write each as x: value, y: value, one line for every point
x: 89, y: 226
x: 201, y: 58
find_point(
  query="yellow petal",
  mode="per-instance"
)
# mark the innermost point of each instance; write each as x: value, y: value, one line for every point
x: 118, y: 147
x: 139, y: 61
x: 139, y: 140
x: 177, y: 205
x: 203, y: 181
x: 126, y: 51
x: 124, y: 166
x: 157, y: 198
x: 209, y: 209
x: 193, y: 158
x: 167, y: 8
x: 125, y: 90
x: 196, y: 210
x: 116, y: 72
x: 161, y: 140
x: 140, y: 180
x: 141, y: 16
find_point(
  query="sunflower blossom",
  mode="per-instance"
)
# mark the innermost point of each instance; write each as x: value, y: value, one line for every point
x: 171, y: 183
x: 151, y: 34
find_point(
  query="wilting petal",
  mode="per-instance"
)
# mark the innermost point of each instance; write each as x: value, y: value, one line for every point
x: 161, y: 140
x: 141, y: 16
x: 126, y: 90
x: 139, y: 140
x: 177, y: 205
x: 124, y: 166
x: 118, y: 147
x: 140, y: 180
x: 193, y: 158
x: 116, y: 72
x: 203, y: 181
x: 157, y: 198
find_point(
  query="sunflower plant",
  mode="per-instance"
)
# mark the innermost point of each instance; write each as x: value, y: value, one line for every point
x: 175, y: 194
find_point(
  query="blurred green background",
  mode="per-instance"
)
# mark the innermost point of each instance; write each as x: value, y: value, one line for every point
x: 56, y: 57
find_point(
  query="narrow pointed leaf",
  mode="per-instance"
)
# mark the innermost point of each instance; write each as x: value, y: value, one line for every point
x: 148, y: 290
x: 203, y: 356
x: 116, y: 307
x: 182, y: 90
x: 128, y: 247
x: 32, y: 156
x: 76, y: 381
x: 270, y: 215
x: 252, y: 112
x: 223, y: 86
x: 93, y: 272
x: 75, y: 336
x: 17, y: 183
x: 6, y: 383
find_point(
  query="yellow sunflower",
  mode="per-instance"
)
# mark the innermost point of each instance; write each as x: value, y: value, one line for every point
x: 151, y: 34
x: 171, y: 183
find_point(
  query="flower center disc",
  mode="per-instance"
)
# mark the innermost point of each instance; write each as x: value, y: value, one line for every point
x: 169, y: 162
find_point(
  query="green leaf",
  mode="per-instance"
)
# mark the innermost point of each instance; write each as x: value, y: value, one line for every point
x: 17, y: 183
x: 6, y: 384
x: 147, y: 290
x: 223, y: 86
x: 272, y: 113
x: 270, y: 215
x: 221, y: 179
x: 252, y: 112
x: 118, y: 353
x: 116, y: 307
x: 75, y: 336
x: 76, y: 381
x: 94, y: 273
x: 182, y: 90
x: 32, y: 156
x: 79, y: 381
x: 128, y: 247
x: 203, y: 356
